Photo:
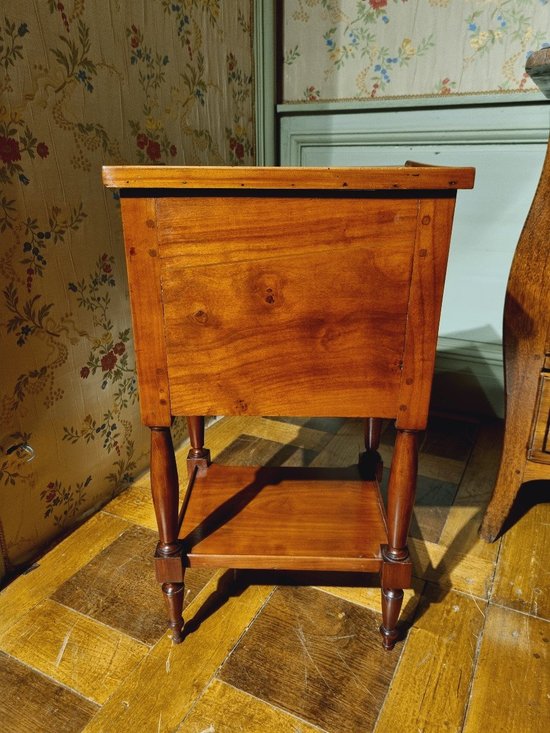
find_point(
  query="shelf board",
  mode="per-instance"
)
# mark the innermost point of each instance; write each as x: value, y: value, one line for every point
x: 285, y: 518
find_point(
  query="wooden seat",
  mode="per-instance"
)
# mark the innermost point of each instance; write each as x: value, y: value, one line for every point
x: 277, y: 291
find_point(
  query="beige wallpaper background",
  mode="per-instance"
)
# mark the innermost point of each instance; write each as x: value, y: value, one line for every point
x: 371, y: 49
x: 84, y: 83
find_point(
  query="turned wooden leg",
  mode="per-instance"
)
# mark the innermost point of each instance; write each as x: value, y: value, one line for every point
x: 173, y: 598
x: 373, y: 429
x: 397, y: 568
x: 198, y: 455
x: 169, y: 555
x: 370, y: 462
x: 391, y: 608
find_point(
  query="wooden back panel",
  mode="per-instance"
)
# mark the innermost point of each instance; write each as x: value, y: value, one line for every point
x: 279, y: 302
x: 285, y: 306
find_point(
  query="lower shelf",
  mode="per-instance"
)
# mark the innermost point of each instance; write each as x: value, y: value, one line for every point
x: 285, y: 518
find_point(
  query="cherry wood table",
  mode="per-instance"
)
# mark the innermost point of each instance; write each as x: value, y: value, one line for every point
x: 285, y: 291
x: 526, y: 343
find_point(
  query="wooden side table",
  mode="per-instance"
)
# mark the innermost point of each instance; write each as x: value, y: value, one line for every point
x: 526, y: 342
x: 276, y: 291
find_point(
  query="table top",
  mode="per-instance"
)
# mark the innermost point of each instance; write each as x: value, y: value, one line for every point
x: 412, y: 176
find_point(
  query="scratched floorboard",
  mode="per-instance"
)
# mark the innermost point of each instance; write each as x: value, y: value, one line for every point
x: 292, y: 658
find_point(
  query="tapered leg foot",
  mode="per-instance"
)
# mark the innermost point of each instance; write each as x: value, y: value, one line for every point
x: 173, y: 596
x: 391, y: 606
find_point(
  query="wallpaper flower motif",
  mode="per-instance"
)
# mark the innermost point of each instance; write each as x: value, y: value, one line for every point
x: 364, y: 49
x: 85, y: 83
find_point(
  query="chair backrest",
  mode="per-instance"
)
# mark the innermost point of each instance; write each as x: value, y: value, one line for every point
x: 287, y: 291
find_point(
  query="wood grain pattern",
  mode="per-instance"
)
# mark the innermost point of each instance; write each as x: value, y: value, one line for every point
x: 285, y: 292
x: 84, y: 655
x: 398, y: 177
x: 134, y: 505
x: 247, y: 450
x: 318, y: 359
x: 430, y: 679
x: 224, y: 708
x: 31, y: 702
x: 522, y: 580
x: 217, y: 617
x: 526, y: 340
x: 117, y: 587
x: 452, y: 568
x: 212, y: 230
x: 441, y: 651
x: 435, y: 218
x: 513, y: 675
x: 317, y: 657
x: 539, y: 445
x: 461, y: 527
x: 143, y: 265
x: 371, y: 598
x: 57, y: 566
x: 251, y: 517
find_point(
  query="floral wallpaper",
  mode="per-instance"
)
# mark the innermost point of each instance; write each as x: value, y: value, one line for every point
x: 368, y: 49
x: 84, y: 83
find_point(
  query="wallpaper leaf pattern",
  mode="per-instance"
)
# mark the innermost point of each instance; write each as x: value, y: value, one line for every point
x: 366, y: 49
x: 85, y: 83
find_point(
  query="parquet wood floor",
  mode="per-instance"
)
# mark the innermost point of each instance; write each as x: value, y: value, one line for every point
x: 83, y: 646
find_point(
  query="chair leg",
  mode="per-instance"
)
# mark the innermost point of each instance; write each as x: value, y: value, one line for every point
x: 169, y: 555
x: 397, y: 565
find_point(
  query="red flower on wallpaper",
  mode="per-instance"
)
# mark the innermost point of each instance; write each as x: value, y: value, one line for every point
x: 153, y: 150
x: 42, y: 150
x: 378, y: 4
x: 142, y: 140
x: 237, y: 148
x: 105, y: 266
x: 173, y: 150
x: 9, y: 150
x: 85, y: 372
x: 108, y: 362
x: 119, y: 348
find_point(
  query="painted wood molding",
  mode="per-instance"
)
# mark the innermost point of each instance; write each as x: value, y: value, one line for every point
x: 265, y: 81
x: 301, y: 134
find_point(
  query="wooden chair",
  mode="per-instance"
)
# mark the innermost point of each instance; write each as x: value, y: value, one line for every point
x: 526, y: 345
x: 273, y: 291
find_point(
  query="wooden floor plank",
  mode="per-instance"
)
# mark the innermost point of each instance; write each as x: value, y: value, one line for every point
x: 317, y: 657
x: 135, y: 505
x: 224, y: 709
x: 451, y: 569
x: 249, y: 450
x: 372, y: 598
x: 274, y: 658
x: 30, y: 702
x: 512, y: 681
x: 177, y: 673
x: 287, y: 433
x: 58, y: 565
x: 429, y: 692
x: 341, y: 450
x: 86, y: 656
x: 118, y: 587
x: 431, y: 466
x: 522, y: 579
x: 474, y: 491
